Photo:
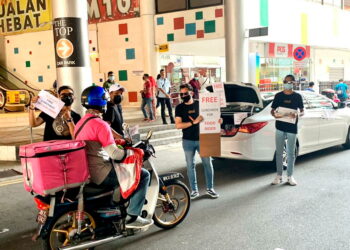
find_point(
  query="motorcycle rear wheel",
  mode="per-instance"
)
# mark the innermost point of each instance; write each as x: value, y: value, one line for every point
x: 63, y: 226
x: 165, y: 216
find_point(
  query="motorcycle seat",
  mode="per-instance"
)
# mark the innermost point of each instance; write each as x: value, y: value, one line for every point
x: 93, y: 190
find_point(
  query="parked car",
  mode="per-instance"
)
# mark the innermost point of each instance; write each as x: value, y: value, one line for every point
x: 253, y: 138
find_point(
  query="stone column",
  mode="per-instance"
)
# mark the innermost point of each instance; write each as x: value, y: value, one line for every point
x: 236, y: 45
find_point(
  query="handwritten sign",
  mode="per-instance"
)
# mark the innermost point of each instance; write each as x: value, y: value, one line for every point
x: 209, y: 108
x: 49, y: 104
x: 218, y: 87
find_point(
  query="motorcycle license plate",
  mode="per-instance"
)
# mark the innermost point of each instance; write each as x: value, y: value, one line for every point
x: 42, y: 216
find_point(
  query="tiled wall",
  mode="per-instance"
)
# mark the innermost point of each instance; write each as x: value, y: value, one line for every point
x: 206, y: 23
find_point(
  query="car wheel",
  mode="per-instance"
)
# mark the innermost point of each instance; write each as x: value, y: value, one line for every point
x: 2, y: 99
x: 346, y: 145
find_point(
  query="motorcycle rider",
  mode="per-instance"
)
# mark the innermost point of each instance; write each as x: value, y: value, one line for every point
x: 100, y: 146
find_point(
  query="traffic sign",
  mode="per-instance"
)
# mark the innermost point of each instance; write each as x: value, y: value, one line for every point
x: 299, y: 53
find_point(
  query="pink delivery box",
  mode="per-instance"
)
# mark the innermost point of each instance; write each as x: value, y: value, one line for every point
x: 52, y: 166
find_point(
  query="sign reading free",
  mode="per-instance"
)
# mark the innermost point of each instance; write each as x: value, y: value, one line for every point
x: 209, y: 108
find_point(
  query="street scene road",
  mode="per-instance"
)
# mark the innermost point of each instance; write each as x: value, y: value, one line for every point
x: 249, y: 214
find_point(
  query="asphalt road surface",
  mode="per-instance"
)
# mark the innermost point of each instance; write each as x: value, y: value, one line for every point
x: 250, y: 213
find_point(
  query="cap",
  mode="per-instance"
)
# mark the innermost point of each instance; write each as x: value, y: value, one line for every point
x: 116, y: 87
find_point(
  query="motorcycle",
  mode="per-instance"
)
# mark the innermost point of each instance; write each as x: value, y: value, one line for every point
x: 84, y: 218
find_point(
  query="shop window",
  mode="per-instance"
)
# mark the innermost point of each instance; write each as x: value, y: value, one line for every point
x: 200, y: 3
x: 164, y: 6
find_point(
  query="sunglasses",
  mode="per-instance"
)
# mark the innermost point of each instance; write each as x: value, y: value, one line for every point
x: 184, y: 94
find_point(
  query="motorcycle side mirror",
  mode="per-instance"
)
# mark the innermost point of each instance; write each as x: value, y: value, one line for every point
x: 149, y: 135
x: 126, y: 126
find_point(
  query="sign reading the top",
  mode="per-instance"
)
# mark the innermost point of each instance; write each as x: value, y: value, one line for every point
x: 18, y: 16
x: 110, y: 10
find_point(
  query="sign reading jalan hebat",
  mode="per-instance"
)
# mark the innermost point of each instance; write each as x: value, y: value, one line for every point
x: 20, y: 16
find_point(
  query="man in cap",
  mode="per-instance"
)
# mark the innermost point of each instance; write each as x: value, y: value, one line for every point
x: 114, y: 113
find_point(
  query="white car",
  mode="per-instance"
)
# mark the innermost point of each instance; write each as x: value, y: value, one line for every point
x: 253, y: 138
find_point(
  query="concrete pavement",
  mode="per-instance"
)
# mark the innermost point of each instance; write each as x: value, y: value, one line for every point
x: 250, y: 213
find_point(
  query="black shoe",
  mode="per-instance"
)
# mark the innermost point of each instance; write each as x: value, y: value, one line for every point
x: 165, y: 123
x: 172, y: 122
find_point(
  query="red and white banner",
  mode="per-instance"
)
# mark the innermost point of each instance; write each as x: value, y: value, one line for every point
x: 111, y: 10
x: 280, y: 50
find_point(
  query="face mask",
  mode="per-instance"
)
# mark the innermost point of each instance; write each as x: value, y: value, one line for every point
x: 186, y: 98
x: 117, y: 99
x: 111, y: 78
x: 68, y: 100
x: 288, y: 86
x: 196, y: 78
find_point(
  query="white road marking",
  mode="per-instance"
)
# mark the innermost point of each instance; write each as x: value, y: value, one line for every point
x: 5, y: 230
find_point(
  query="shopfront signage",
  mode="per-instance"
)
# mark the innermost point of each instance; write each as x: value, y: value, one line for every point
x: 280, y: 50
x: 69, y: 51
x: 110, y: 10
x: 18, y: 16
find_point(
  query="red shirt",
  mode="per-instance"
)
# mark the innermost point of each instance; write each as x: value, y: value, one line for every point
x: 147, y: 87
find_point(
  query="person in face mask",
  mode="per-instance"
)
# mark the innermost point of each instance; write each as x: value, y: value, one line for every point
x: 187, y: 118
x: 287, y: 106
x: 114, y: 113
x: 195, y: 85
x: 110, y: 81
x: 62, y: 127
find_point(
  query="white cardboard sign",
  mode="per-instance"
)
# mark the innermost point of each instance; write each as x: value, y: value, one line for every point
x: 218, y: 87
x: 209, y: 108
x: 49, y: 104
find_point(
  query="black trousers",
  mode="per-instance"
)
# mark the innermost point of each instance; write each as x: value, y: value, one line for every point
x: 163, y: 102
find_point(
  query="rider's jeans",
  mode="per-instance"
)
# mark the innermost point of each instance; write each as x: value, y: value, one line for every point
x: 190, y: 148
x: 291, y: 141
x: 137, y: 199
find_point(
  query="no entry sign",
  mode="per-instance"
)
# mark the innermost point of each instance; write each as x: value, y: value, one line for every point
x: 299, y: 53
x: 68, y: 47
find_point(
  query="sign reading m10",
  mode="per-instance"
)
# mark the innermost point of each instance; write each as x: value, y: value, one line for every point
x: 110, y: 10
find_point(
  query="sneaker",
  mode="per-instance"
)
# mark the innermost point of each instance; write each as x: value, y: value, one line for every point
x: 211, y: 192
x: 278, y: 180
x: 292, y: 181
x: 139, y: 223
x: 194, y: 195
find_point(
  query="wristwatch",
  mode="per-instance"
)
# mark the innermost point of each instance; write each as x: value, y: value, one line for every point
x: 69, y: 120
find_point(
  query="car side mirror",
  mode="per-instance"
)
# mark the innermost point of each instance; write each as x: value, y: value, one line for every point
x: 336, y: 105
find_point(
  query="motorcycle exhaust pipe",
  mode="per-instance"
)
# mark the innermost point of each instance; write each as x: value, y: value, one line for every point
x: 92, y: 243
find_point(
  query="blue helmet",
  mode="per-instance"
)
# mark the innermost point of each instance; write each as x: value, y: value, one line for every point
x: 94, y: 97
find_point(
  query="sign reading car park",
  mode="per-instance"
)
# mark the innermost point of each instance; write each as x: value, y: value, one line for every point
x: 69, y: 52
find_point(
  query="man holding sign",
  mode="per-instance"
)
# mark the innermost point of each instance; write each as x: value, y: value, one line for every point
x: 187, y: 118
x: 57, y: 126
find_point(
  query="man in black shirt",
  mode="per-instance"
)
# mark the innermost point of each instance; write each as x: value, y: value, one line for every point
x: 187, y: 118
x: 114, y: 113
x: 62, y: 127
x: 285, y: 108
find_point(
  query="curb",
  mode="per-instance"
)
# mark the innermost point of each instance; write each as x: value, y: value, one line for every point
x: 9, y: 153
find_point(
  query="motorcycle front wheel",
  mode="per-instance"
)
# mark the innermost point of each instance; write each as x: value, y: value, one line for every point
x: 63, y: 231
x: 169, y: 214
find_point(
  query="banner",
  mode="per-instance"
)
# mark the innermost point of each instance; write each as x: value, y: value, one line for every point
x: 110, y: 10
x: 18, y: 16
